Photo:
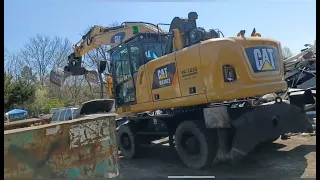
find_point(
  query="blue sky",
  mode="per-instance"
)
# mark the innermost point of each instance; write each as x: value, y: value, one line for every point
x: 292, y: 22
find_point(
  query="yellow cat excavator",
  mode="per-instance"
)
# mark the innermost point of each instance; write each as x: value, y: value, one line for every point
x: 202, y: 90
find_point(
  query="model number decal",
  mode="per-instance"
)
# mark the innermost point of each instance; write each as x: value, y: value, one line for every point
x: 189, y: 73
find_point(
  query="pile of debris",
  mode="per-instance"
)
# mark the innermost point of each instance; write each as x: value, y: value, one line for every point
x: 300, y: 74
x: 300, y: 69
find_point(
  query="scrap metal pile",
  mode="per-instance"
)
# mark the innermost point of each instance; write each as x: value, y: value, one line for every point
x: 301, y: 68
x: 300, y: 74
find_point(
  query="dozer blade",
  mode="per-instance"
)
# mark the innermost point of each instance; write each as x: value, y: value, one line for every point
x: 266, y: 122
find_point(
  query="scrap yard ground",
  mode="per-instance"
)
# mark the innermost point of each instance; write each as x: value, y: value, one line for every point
x: 294, y: 158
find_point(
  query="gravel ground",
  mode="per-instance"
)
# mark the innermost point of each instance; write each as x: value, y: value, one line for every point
x: 294, y: 158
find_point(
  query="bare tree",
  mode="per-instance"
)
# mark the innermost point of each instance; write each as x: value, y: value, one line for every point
x: 42, y: 53
x: 7, y: 63
x: 27, y: 76
x: 75, y: 88
x: 14, y: 64
x: 286, y: 52
x: 114, y: 23
x: 64, y: 49
x: 100, y: 53
x: 6, y: 53
x: 92, y: 60
x: 94, y: 57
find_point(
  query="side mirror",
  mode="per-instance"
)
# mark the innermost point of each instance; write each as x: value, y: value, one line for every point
x: 102, y: 66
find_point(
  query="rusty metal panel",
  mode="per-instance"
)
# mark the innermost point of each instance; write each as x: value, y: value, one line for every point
x: 81, y: 148
x: 23, y: 123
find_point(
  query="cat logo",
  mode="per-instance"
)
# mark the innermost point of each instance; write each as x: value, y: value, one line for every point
x: 163, y: 76
x: 118, y: 38
x: 162, y: 73
x: 264, y: 59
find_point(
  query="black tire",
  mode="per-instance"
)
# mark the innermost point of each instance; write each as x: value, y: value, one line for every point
x: 266, y: 143
x: 207, y: 141
x: 125, y: 133
x: 270, y: 141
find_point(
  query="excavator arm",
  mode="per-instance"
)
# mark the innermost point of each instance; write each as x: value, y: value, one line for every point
x: 184, y: 33
x: 112, y: 36
x: 95, y: 37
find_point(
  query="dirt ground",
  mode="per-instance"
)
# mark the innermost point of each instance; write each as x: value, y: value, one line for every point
x: 294, y: 158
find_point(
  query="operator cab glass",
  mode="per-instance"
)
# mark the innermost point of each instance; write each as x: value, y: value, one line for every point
x: 128, y: 58
x: 153, y: 50
x: 152, y: 47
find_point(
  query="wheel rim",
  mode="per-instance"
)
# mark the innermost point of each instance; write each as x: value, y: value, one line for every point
x: 190, y: 144
x: 125, y: 141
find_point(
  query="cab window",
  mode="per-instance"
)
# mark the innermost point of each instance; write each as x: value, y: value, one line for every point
x: 124, y: 86
x: 154, y: 50
x: 122, y: 66
x: 135, y: 57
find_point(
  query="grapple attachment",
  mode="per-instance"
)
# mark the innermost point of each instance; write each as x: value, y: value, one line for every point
x: 58, y: 76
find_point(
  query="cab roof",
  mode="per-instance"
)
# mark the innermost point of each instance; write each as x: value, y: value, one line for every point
x: 133, y: 37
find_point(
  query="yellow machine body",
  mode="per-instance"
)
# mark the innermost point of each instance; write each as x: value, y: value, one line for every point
x: 186, y: 75
x: 199, y: 67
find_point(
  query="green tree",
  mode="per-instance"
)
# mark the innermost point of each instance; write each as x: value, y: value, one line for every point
x: 40, y: 99
x: 52, y: 103
x: 43, y: 103
x: 7, y: 90
x: 28, y: 76
x: 17, y: 94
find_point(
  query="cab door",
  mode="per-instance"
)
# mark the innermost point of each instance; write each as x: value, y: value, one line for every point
x: 143, y: 93
x: 124, y: 88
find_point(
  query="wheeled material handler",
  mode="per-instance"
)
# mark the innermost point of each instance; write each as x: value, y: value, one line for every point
x: 201, y: 89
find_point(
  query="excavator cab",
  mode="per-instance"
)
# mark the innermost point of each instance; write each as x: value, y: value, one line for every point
x: 126, y: 60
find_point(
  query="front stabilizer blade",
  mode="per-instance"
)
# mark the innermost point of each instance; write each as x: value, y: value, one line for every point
x: 266, y: 122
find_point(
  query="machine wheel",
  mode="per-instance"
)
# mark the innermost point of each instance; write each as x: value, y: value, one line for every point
x: 270, y: 141
x: 196, y: 145
x: 266, y: 143
x: 127, y: 142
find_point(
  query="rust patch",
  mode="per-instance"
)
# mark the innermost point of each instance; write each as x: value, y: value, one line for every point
x: 89, y: 133
x: 39, y: 152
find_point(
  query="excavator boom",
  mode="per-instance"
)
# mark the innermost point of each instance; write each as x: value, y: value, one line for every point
x: 112, y: 36
x: 95, y: 37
